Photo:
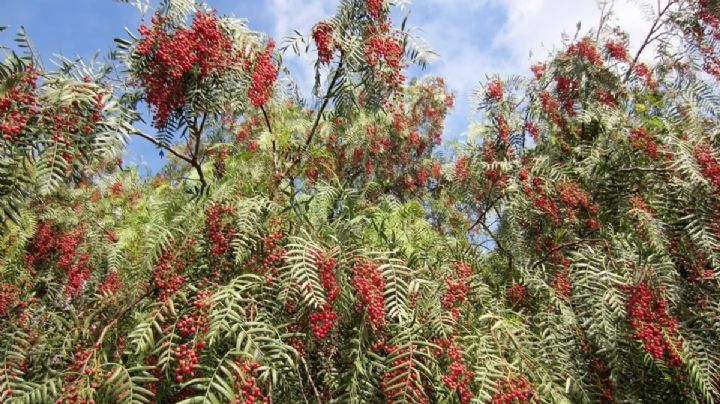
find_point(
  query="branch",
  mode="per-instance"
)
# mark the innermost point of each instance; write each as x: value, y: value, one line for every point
x: 119, y: 316
x: 161, y: 145
x: 648, y: 38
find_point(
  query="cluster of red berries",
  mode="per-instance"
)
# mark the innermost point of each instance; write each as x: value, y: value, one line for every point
x: 616, y: 50
x: 111, y: 284
x: 461, y: 168
x: 369, y: 283
x: 382, y: 46
x: 263, y: 77
x: 322, y: 321
x: 517, y: 292
x: 76, y: 267
x: 117, y: 189
x: 246, y: 384
x: 8, y: 297
x: 562, y: 284
x: 495, y: 90
x: 322, y: 35
x: 503, y: 129
x: 18, y: 105
x: 173, y: 57
x: 709, y: 165
x: 644, y: 72
x: 270, y: 258
x: 42, y: 245
x: 587, y: 50
x: 375, y: 8
x: 187, y: 360
x: 403, y: 366
x: 707, y: 35
x: 513, y: 391
x: 551, y: 106
x: 652, y: 324
x: 457, y: 285
x: 643, y: 140
x: 574, y: 198
x: 197, y: 321
x: 538, y: 69
x: 327, y: 275
x: 167, y: 274
x: 542, y: 201
x: 221, y: 232
x: 602, y: 379
x: 568, y: 91
x: 459, y: 377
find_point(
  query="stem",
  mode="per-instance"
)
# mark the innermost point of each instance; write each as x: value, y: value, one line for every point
x: 161, y: 145
x: 648, y: 38
x: 197, y: 133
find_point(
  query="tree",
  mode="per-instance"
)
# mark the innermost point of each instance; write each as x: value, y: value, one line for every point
x: 325, y: 252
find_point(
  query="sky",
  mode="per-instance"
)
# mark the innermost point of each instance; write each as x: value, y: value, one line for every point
x: 475, y: 39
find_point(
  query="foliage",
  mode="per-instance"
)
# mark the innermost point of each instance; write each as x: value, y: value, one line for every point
x: 327, y: 252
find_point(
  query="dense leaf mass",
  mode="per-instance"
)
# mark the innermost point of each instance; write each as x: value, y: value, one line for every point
x: 333, y: 250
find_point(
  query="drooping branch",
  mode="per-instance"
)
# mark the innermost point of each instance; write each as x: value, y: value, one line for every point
x: 649, y: 38
x: 162, y: 145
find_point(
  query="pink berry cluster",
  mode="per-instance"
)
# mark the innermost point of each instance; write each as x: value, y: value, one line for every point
x: 167, y: 273
x: 457, y: 285
x: 326, y: 265
x: 18, y: 105
x: 709, y: 164
x: 322, y: 35
x: 264, y: 75
x: 561, y: 283
x: 369, y: 284
x: 616, y: 50
x: 459, y: 377
x: 8, y: 298
x: 644, y: 141
x: 382, y: 48
x: 513, y: 391
x: 246, y: 384
x: 111, y: 284
x: 322, y: 321
x: 187, y: 359
x: 517, y: 292
x: 495, y: 90
x: 219, y: 221
x: 174, y: 58
x: 375, y: 8
x: 196, y: 322
x: 585, y: 49
x: 652, y: 324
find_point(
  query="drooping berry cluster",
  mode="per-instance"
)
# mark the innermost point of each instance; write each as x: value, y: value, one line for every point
x: 495, y: 90
x: 369, y: 284
x: 187, y: 359
x: 517, y: 292
x: 8, y: 298
x: 196, y: 322
x: 403, y: 377
x: 384, y: 52
x: 513, y: 391
x: 221, y: 231
x: 709, y: 165
x: 322, y: 35
x: 585, y: 49
x: 457, y: 285
x: 322, y: 321
x: 246, y: 384
x: 561, y: 283
x: 643, y: 71
x: 616, y: 50
x: 175, y: 58
x: 167, y: 273
x: 375, y: 8
x: 75, y: 266
x: 18, y: 105
x: 652, y: 324
x: 643, y: 140
x: 264, y: 75
x: 459, y: 377
x: 270, y: 257
x: 111, y: 284
x: 326, y: 265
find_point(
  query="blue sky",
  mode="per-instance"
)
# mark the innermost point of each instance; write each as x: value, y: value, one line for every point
x: 475, y: 38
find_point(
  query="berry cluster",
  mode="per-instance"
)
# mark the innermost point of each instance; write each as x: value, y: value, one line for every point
x: 562, y: 284
x: 327, y: 275
x: 551, y: 107
x: 644, y: 72
x: 42, y: 245
x: 381, y: 46
x: 187, y: 359
x: 542, y: 201
x: 574, y: 198
x: 461, y: 169
x: 369, y: 283
x: 197, y: 320
x: 513, y: 391
x: 616, y: 50
x: 375, y: 8
x: 709, y: 165
x: 707, y: 32
x: 652, y: 324
x: 457, y: 285
x: 264, y: 75
x: 643, y: 140
x: 495, y: 90
x: 322, y: 35
x: 538, y: 69
x: 167, y: 276
x: 174, y: 59
x: 403, y: 375
x: 459, y: 377
x: 587, y: 50
x: 322, y: 321
x: 246, y: 384
x: 517, y: 292
x: 270, y: 257
x: 18, y: 105
x: 76, y: 266
x: 111, y: 284
x: 8, y: 297
x: 221, y: 232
